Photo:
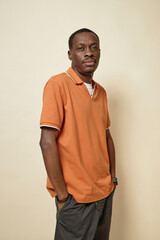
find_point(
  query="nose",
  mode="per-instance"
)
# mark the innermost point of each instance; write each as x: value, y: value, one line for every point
x: 88, y: 52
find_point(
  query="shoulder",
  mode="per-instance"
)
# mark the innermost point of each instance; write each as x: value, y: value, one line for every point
x: 56, y: 82
x: 55, y: 87
x: 58, y: 79
x: 101, y: 89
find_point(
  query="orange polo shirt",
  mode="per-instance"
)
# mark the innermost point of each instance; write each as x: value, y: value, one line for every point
x: 82, y: 122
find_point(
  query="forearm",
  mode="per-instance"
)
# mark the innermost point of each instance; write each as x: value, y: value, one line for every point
x: 53, y: 168
x: 111, y: 153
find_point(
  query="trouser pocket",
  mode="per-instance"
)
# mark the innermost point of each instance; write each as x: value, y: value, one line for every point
x: 65, y: 204
x: 77, y: 221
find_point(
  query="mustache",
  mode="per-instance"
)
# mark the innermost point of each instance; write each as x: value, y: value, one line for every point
x: 87, y: 59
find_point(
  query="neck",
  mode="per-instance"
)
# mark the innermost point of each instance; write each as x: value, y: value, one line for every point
x: 85, y: 77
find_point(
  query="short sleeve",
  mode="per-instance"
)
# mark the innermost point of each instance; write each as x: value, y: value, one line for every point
x: 108, y: 121
x: 53, y: 106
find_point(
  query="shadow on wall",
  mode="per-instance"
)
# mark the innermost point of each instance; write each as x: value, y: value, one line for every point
x: 120, y: 110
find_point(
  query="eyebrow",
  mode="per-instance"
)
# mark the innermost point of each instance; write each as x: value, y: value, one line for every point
x: 81, y: 43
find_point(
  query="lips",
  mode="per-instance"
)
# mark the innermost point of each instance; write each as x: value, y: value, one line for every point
x: 89, y: 62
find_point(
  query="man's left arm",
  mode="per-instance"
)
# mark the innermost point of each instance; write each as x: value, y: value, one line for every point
x: 111, y: 153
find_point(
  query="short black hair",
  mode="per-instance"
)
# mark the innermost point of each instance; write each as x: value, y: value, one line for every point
x: 70, y: 41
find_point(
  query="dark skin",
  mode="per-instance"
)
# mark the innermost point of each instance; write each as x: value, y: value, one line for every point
x: 84, y: 56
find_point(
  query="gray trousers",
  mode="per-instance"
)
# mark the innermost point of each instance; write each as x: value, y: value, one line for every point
x: 84, y: 221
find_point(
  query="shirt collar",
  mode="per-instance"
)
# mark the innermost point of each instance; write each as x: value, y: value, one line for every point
x: 76, y: 79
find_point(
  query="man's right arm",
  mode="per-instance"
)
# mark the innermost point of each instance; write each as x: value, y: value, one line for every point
x: 52, y: 162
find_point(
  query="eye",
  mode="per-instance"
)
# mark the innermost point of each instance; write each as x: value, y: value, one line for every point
x: 81, y: 48
x: 94, y: 48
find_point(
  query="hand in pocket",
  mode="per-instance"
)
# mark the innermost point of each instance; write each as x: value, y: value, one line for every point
x: 60, y: 205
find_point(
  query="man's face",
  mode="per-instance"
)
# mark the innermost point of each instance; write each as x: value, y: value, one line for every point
x: 85, y: 53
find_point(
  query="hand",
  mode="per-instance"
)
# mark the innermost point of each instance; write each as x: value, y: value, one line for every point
x: 60, y: 205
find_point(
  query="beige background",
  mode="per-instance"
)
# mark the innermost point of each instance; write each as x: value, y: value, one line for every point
x: 33, y: 47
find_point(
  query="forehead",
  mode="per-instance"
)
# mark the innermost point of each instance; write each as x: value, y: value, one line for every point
x: 85, y: 37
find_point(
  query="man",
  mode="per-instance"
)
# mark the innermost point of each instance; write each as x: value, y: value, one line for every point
x: 77, y: 146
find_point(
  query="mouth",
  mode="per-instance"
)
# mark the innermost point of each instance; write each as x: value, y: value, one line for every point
x: 89, y: 62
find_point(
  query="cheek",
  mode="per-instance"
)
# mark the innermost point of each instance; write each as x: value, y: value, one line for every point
x: 78, y: 58
x: 98, y: 57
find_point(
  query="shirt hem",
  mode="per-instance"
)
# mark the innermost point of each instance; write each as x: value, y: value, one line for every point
x: 86, y: 199
x: 51, y: 125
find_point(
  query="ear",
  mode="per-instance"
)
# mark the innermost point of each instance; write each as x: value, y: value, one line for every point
x: 69, y: 55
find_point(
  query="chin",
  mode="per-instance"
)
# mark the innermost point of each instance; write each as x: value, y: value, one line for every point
x: 89, y: 71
